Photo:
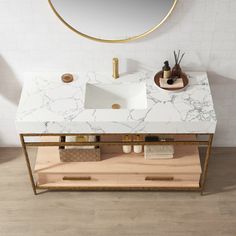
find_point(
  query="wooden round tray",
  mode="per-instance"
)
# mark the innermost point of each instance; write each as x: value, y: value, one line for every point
x: 158, y: 76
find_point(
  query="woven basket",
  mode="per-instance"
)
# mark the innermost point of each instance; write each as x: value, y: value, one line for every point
x: 80, y: 155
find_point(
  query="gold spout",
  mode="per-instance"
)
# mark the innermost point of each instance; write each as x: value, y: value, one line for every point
x: 115, y: 66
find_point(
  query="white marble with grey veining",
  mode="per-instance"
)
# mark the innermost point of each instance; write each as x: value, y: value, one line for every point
x: 48, y: 105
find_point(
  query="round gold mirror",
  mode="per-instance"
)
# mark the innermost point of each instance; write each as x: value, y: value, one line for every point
x: 113, y: 21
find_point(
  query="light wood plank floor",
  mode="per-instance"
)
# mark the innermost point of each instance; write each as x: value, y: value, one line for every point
x: 117, y: 213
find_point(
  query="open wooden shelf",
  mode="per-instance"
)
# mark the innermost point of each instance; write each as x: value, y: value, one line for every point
x: 119, y: 170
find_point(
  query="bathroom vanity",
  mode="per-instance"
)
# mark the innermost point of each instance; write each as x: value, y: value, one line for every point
x: 50, y: 110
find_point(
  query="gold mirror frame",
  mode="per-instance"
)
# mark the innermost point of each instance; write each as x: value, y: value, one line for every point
x: 113, y: 40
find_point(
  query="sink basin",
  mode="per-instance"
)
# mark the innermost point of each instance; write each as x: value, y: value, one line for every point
x: 116, y: 96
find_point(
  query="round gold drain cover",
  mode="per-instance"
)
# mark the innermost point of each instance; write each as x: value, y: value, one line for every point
x: 67, y: 78
x: 115, y: 106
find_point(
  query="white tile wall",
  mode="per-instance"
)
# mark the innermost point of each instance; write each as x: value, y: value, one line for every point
x: 33, y: 39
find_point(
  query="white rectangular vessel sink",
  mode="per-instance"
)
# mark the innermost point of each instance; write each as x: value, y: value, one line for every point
x: 116, y: 96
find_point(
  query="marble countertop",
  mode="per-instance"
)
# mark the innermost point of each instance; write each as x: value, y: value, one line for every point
x: 48, y: 105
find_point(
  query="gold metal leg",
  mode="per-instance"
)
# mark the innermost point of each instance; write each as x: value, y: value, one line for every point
x: 206, y: 162
x: 28, y: 163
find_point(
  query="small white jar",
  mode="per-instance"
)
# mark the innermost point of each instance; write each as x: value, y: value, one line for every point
x: 127, y: 148
x: 138, y: 148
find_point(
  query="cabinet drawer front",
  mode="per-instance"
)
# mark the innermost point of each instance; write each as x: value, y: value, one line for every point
x: 119, y: 180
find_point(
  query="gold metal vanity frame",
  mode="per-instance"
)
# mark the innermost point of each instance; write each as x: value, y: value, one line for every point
x: 125, y: 40
x: 207, y: 144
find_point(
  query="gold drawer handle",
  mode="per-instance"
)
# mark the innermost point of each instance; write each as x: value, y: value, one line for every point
x: 159, y: 178
x: 77, y: 178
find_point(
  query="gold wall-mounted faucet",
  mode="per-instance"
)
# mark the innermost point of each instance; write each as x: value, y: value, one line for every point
x: 115, y: 66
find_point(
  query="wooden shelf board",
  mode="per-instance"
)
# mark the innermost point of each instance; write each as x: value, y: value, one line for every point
x: 126, y: 184
x: 186, y: 160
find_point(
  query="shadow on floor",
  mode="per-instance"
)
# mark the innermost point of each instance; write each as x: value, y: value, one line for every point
x: 221, y: 175
x: 9, y: 154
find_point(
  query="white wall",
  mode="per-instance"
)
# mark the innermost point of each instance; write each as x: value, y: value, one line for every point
x: 33, y: 39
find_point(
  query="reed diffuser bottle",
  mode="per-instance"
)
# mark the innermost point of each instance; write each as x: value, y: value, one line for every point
x: 176, y: 70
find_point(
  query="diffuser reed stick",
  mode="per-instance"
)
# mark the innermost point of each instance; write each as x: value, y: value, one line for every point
x: 178, y: 58
x: 176, y: 70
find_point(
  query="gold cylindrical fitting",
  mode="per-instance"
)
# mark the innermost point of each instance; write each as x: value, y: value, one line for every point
x: 115, y: 66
